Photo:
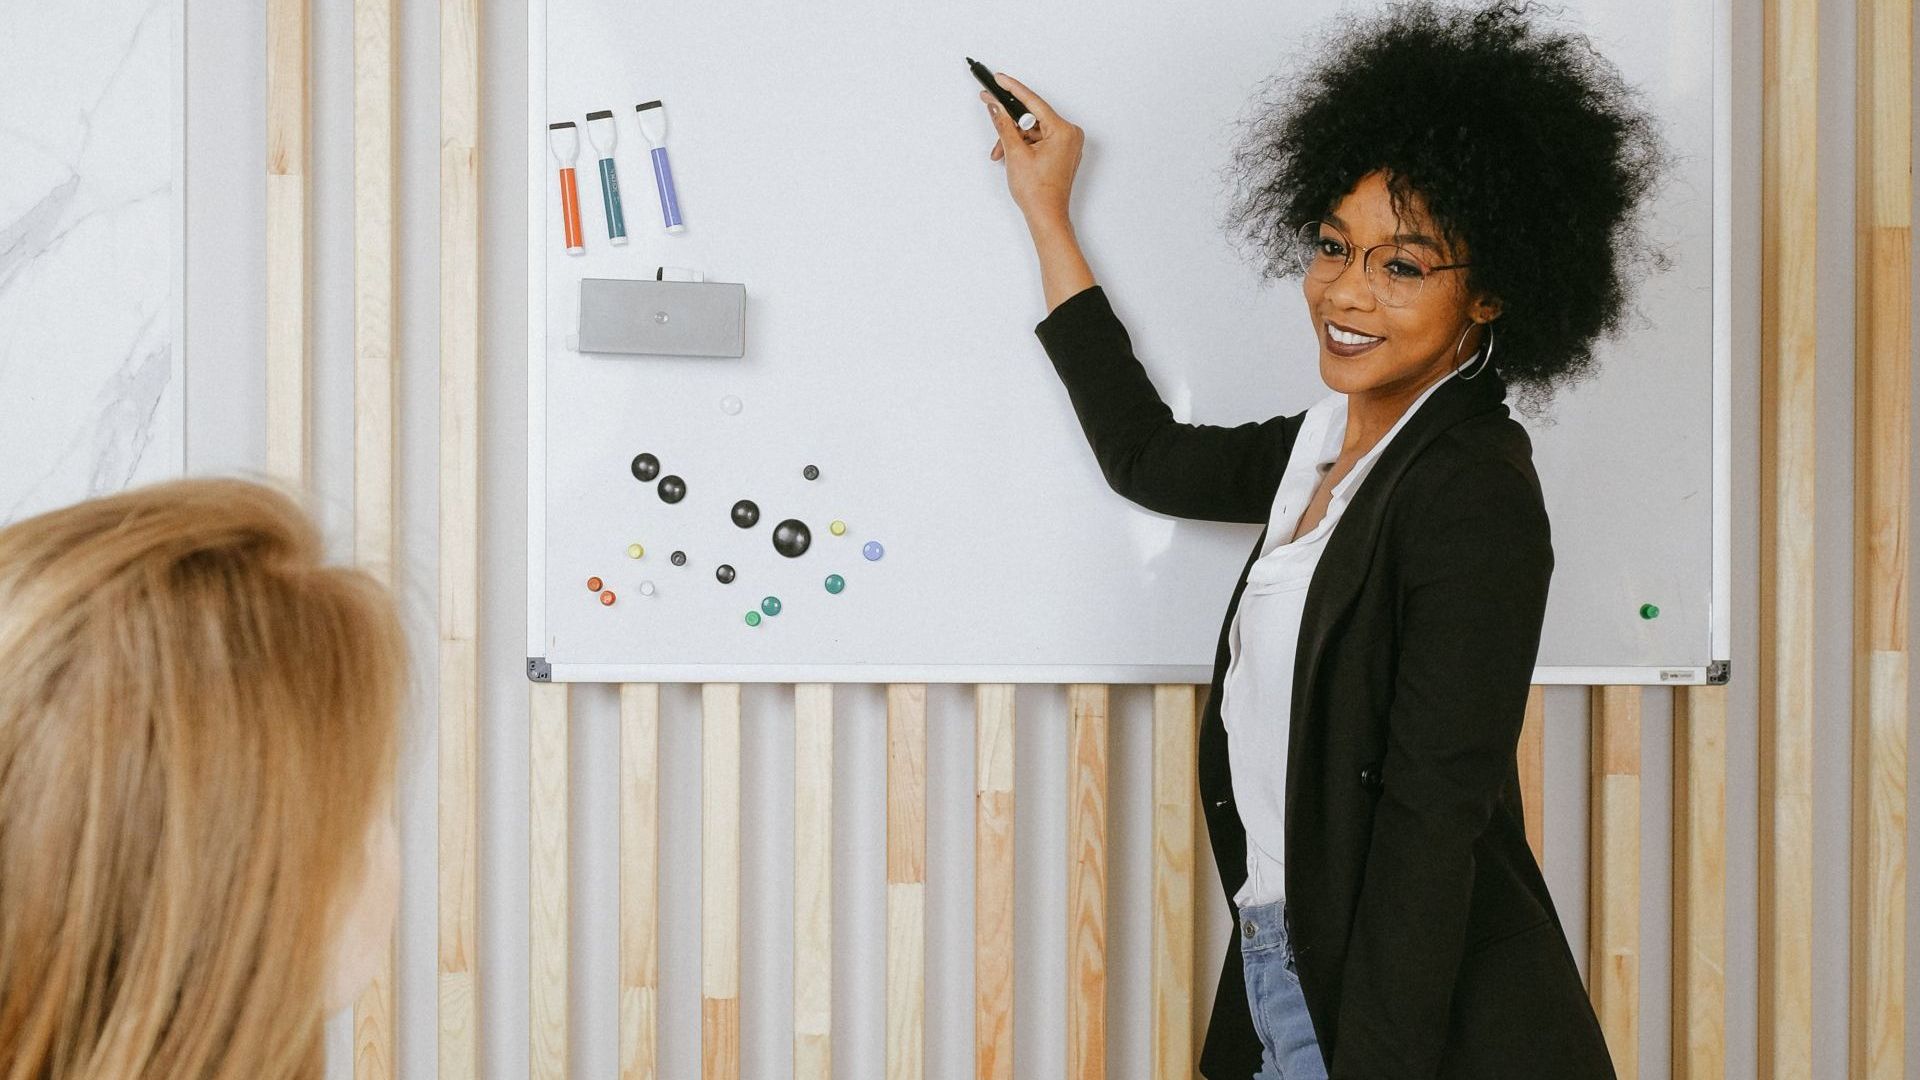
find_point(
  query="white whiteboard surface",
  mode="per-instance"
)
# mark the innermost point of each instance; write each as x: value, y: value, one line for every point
x: 834, y: 160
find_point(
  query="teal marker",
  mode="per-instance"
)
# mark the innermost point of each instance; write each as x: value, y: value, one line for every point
x: 602, y: 134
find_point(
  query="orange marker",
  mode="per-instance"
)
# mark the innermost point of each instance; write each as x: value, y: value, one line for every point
x: 564, y: 140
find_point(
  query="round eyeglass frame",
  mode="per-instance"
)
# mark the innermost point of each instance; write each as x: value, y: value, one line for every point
x: 1307, y: 242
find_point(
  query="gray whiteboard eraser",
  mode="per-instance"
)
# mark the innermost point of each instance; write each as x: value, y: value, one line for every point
x: 663, y: 318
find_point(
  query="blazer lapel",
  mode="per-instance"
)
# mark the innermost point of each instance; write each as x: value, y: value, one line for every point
x: 1343, y: 566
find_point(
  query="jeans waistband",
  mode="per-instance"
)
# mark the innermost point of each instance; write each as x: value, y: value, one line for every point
x: 1263, y: 927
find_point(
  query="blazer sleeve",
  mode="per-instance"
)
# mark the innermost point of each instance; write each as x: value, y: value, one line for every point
x: 1187, y: 470
x: 1474, y: 561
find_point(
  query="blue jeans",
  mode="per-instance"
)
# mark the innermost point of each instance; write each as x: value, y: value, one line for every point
x: 1289, y: 1050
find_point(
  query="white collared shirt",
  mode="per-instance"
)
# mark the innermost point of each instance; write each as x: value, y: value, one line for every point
x: 1256, y: 696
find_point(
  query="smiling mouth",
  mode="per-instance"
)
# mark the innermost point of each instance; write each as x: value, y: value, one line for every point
x: 1343, y: 342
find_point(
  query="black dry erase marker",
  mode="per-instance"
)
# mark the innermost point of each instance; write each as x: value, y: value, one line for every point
x: 1021, y: 117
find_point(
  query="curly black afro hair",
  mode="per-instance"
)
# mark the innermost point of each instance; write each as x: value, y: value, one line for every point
x: 1525, y: 145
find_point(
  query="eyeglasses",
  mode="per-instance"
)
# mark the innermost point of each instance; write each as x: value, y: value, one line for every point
x: 1394, y: 273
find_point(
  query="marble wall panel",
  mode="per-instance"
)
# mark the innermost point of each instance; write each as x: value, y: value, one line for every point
x: 91, y: 249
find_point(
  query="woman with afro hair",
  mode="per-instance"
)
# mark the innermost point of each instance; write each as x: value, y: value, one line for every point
x: 1459, y: 191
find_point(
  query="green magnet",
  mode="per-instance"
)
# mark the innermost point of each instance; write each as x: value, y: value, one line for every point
x: 1649, y: 611
x: 753, y: 618
x: 771, y: 605
x: 835, y: 583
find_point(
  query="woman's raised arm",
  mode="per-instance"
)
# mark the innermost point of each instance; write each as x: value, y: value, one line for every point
x: 1187, y: 470
x: 1201, y: 471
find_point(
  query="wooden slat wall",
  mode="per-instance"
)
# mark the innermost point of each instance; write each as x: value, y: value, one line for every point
x: 1613, y: 873
x: 813, y: 882
x: 906, y: 881
x: 1175, y: 820
x: 1087, y: 882
x: 1882, y: 506
x: 639, y: 880
x: 459, y: 535
x: 1532, y: 765
x: 373, y: 407
x: 547, y: 923
x: 993, y: 882
x: 1883, y: 441
x: 1699, y: 883
x: 288, y: 377
x: 720, y: 881
x: 1788, y: 314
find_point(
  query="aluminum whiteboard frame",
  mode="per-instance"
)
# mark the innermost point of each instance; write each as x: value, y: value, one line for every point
x: 1719, y: 636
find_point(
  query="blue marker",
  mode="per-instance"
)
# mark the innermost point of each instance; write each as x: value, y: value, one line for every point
x: 653, y: 124
x: 602, y: 133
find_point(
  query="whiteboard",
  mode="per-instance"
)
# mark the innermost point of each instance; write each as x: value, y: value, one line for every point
x: 833, y: 159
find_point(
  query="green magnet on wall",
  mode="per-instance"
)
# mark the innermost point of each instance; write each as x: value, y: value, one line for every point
x: 634, y: 551
x: 835, y: 583
x: 1649, y: 611
x: 753, y: 618
x: 771, y: 605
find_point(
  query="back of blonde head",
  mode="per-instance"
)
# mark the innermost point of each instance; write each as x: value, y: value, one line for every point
x: 197, y: 725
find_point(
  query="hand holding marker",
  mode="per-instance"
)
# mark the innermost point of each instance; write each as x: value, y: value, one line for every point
x: 602, y: 133
x: 653, y: 124
x: 563, y: 139
x: 1021, y: 117
x: 1040, y: 163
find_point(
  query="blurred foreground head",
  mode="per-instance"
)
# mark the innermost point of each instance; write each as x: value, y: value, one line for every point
x: 197, y: 734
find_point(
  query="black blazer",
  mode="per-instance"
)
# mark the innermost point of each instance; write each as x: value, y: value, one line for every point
x: 1424, y: 938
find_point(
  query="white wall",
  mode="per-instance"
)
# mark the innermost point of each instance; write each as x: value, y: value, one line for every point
x: 225, y: 335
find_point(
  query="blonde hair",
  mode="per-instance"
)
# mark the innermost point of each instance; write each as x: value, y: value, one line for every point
x: 197, y: 724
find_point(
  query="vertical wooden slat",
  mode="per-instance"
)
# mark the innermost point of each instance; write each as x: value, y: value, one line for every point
x: 1532, y: 764
x: 1699, y: 883
x: 1883, y: 441
x: 373, y: 336
x: 547, y: 933
x: 459, y: 535
x: 1175, y: 747
x: 1614, y: 873
x: 813, y: 882
x: 639, y: 880
x: 373, y: 409
x: 1087, y: 883
x: 288, y: 378
x: 993, y: 882
x: 906, y: 881
x: 373, y: 1011
x: 1789, y: 251
x: 720, y: 881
